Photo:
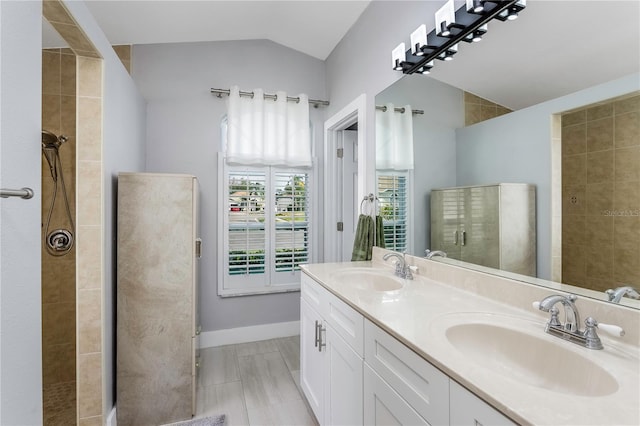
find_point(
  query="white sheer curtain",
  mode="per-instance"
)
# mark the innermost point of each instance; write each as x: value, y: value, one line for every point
x: 266, y: 132
x: 394, y: 139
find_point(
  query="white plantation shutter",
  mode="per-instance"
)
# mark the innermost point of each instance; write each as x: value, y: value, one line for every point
x: 266, y: 228
x: 292, y: 221
x: 291, y: 225
x: 393, y: 198
x: 246, y: 219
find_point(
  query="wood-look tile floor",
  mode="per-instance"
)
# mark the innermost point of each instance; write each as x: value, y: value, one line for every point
x: 254, y: 383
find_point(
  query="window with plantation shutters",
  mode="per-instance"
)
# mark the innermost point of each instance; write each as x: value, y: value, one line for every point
x: 266, y: 228
x: 246, y: 223
x: 292, y: 221
x: 393, y: 202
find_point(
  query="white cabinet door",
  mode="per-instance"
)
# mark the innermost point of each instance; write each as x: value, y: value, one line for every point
x: 383, y: 405
x: 466, y: 409
x: 346, y: 322
x: 312, y: 364
x: 343, y: 389
x: 424, y: 387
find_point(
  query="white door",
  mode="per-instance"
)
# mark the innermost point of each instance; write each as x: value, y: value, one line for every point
x: 384, y: 406
x: 312, y: 364
x: 343, y: 391
x: 349, y: 209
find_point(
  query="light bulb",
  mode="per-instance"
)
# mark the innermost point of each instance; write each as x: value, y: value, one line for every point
x: 444, y: 31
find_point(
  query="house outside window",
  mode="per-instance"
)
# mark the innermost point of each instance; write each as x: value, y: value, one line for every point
x: 394, y: 209
x: 266, y: 227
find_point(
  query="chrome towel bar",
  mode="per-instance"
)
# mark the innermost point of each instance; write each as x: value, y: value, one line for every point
x: 25, y: 193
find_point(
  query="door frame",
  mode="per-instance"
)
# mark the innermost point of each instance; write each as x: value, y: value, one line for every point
x: 354, y: 112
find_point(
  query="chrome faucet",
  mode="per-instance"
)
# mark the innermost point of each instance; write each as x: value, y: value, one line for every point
x: 615, y: 295
x: 402, y: 269
x: 571, y: 329
x: 572, y: 317
x: 429, y: 254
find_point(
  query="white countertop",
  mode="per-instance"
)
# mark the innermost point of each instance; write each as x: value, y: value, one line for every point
x: 419, y: 314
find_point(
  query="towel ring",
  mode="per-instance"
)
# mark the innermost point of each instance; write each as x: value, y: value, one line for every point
x: 370, y: 198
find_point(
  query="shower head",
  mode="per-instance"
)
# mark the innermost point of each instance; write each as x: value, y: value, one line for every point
x: 50, y: 145
x: 50, y: 140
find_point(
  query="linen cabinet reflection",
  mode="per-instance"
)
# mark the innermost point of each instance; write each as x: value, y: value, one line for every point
x: 157, y: 298
x: 488, y: 225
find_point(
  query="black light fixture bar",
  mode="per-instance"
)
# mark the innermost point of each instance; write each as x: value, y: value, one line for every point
x: 466, y: 23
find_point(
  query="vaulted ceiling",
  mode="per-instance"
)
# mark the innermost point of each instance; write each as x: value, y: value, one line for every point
x: 554, y: 48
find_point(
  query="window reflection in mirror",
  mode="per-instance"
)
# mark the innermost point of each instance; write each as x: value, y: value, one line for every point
x: 586, y: 176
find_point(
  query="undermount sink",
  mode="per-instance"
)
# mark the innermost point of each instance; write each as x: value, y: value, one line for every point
x: 370, y: 279
x: 529, y: 359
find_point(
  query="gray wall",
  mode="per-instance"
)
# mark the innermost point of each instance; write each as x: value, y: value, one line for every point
x: 517, y: 148
x: 20, y: 125
x: 124, y: 127
x: 434, y: 143
x: 183, y: 136
x: 361, y: 62
x: 20, y: 295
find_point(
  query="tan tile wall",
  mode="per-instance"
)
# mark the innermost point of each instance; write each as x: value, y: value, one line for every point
x: 601, y: 194
x: 556, y: 198
x: 90, y: 240
x: 124, y: 53
x: 57, y: 14
x: 89, y: 224
x: 477, y: 109
x: 58, y: 272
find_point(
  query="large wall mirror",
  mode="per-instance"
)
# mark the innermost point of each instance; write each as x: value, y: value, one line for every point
x: 578, y: 147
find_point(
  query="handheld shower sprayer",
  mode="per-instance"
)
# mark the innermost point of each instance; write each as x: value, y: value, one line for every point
x: 60, y: 241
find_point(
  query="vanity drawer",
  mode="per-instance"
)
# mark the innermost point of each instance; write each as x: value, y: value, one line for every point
x: 312, y: 293
x: 419, y: 383
x: 469, y: 410
x: 346, y: 321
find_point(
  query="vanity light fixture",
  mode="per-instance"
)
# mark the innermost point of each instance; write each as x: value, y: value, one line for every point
x: 398, y: 57
x: 475, y: 6
x: 418, y: 40
x: 445, y: 18
x: 512, y: 14
x: 469, y: 24
x: 426, y: 68
x: 447, y: 55
x: 476, y: 36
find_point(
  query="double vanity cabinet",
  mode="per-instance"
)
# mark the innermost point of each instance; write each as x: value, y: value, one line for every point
x: 354, y: 372
x: 453, y: 346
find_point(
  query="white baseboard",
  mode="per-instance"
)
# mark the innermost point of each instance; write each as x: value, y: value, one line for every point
x: 232, y: 336
x: 111, y: 418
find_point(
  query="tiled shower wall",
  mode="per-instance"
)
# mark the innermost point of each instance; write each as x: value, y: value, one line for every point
x: 90, y: 242
x: 477, y: 109
x: 89, y: 224
x: 601, y: 194
x: 59, y: 272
